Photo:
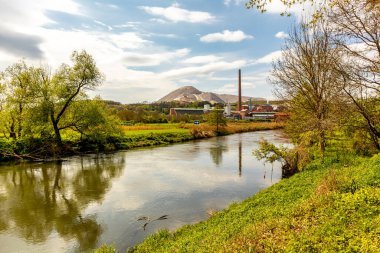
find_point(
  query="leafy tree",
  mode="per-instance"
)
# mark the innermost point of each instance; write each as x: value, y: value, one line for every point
x: 305, y: 77
x: 66, y: 86
x: 18, y: 84
x: 217, y: 119
x: 92, y: 119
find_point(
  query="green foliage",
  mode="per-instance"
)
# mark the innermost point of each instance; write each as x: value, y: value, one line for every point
x: 105, y: 249
x: 216, y: 118
x: 292, y: 159
x: 37, y: 109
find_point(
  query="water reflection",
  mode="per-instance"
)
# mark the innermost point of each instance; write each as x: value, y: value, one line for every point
x: 240, y: 157
x: 37, y: 199
x: 217, y: 150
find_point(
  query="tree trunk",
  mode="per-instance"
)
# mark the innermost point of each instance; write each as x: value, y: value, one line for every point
x: 56, y: 129
x: 19, y: 121
x: 57, y: 133
x: 12, y: 133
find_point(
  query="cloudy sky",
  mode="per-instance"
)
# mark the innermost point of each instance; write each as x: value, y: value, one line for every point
x: 147, y: 48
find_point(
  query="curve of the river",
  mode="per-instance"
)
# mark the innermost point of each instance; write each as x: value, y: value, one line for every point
x: 84, y: 202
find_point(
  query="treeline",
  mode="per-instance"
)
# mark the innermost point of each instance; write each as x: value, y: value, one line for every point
x: 157, y: 112
x: 38, y: 108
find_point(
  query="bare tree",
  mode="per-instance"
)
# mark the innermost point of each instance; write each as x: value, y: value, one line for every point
x: 305, y: 77
x: 356, y: 25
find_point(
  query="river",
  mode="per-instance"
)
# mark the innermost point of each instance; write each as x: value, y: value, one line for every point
x: 83, y: 202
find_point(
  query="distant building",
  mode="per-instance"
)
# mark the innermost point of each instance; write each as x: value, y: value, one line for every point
x: 227, y: 109
x: 263, y: 108
x: 187, y: 111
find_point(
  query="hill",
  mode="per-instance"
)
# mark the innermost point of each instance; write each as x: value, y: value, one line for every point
x: 191, y: 94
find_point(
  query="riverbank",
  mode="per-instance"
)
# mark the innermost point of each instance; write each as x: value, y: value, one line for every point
x: 331, y: 206
x: 136, y: 136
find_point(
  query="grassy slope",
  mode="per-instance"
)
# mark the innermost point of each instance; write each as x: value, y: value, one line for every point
x: 332, y: 207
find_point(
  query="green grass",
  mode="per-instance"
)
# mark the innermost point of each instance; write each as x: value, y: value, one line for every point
x: 155, y: 131
x: 332, y: 206
x: 143, y: 138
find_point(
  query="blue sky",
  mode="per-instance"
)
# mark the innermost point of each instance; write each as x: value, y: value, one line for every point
x: 147, y: 48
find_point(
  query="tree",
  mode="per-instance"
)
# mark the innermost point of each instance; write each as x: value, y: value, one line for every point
x: 19, y: 88
x: 92, y: 119
x: 356, y: 26
x: 305, y: 77
x: 66, y: 86
x: 217, y: 119
x: 261, y: 5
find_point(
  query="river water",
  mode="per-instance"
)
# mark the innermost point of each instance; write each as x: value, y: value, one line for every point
x: 84, y: 202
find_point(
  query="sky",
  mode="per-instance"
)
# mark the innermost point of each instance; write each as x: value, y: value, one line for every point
x: 148, y: 48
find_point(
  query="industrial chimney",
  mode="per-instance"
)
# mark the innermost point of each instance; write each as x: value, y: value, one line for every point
x: 239, y: 101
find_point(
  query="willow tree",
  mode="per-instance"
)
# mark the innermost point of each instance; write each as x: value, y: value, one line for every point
x: 305, y: 77
x: 67, y: 85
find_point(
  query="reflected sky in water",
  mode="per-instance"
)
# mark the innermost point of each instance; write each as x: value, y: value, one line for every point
x: 81, y: 203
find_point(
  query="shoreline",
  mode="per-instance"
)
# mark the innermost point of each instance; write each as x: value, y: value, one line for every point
x: 145, y: 139
x: 289, y: 216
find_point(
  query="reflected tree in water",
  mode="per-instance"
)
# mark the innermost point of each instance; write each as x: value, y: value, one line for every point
x: 37, y: 199
x: 217, y: 150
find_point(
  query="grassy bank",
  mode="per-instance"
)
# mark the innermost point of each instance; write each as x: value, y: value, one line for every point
x: 332, y: 206
x: 159, y: 134
x: 141, y: 135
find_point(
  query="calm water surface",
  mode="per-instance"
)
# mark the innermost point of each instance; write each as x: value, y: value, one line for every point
x: 81, y: 203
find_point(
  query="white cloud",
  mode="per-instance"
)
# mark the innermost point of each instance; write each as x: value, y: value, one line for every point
x: 202, y: 59
x: 158, y: 20
x: 103, y: 24
x: 189, y: 81
x: 269, y: 58
x: 175, y: 14
x: 138, y: 59
x: 129, y: 24
x: 204, y: 70
x: 226, y: 36
x: 110, y: 6
x: 281, y: 35
x: 299, y: 10
x: 20, y: 15
x: 227, y: 89
x: 231, y: 88
x: 127, y: 40
x: 228, y: 2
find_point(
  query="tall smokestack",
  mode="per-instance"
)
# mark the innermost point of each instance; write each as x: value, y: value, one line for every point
x: 239, y: 101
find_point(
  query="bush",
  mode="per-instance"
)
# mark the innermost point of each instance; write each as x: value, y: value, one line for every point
x: 292, y: 159
x: 105, y: 249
